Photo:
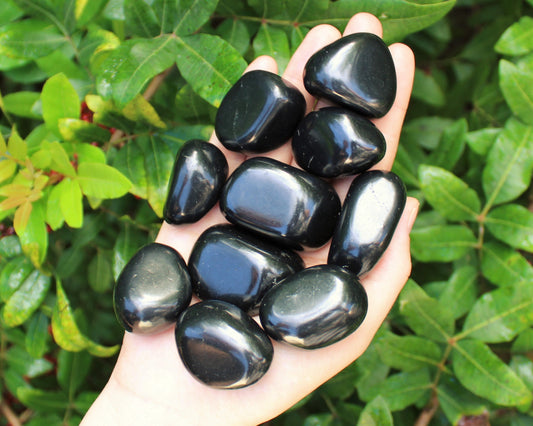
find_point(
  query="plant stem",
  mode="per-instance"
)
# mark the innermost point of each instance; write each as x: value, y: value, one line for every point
x: 9, y: 414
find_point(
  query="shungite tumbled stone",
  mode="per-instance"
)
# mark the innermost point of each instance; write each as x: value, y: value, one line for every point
x: 314, y: 307
x: 370, y: 213
x: 229, y: 264
x: 222, y: 346
x: 199, y: 172
x: 356, y: 71
x: 152, y: 290
x: 286, y: 204
x: 335, y: 142
x: 259, y: 113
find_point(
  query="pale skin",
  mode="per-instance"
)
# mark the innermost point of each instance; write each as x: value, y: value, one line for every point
x: 150, y: 385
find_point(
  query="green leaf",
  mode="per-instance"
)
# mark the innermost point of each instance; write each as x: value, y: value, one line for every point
x: 9, y: 12
x: 54, y: 216
x: 448, y: 194
x: 41, y: 400
x: 26, y: 365
x: 504, y: 266
x: 517, y: 39
x: 13, y: 274
x: 517, y: 88
x: 192, y: 107
x: 457, y: 402
x: 16, y: 146
x: 523, y: 367
x: 376, y: 413
x: 34, y: 238
x: 523, y: 343
x: 59, y: 100
x: 403, y: 389
x: 100, y: 272
x: 371, y: 372
x: 425, y: 315
x: 236, y: 33
x: 408, y: 353
x: 486, y: 375
x: 37, y: 335
x: 26, y: 299
x: 140, y: 110
x: 481, y: 141
x: 70, y: 202
x: 460, y: 292
x: 60, y: 161
x: 501, y: 314
x: 512, y: 224
x: 398, y: 19
x: 29, y: 39
x: 74, y: 130
x: 130, y: 162
x: 102, y: 181
x: 210, y: 65
x: 451, y: 145
x: 442, y: 243
x: 427, y: 90
x: 22, y: 104
x: 127, y: 69
x: 72, y: 369
x: 191, y: 15
x: 66, y: 332
x: 86, y: 10
x: 10, y: 246
x: 126, y: 245
x: 507, y: 173
x: 431, y: 127
x: 140, y: 19
x: 273, y: 41
x: 87, y: 153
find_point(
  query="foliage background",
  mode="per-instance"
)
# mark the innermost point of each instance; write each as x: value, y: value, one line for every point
x: 97, y: 98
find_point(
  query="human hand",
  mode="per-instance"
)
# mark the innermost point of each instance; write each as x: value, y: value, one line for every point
x: 150, y: 384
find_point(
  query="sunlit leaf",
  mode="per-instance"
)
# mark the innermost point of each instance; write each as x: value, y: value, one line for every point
x: 102, y: 181
x: 512, y: 224
x: 442, y: 243
x: 517, y: 39
x: 517, y: 88
x: 504, y: 266
x: 59, y: 100
x: 376, y: 413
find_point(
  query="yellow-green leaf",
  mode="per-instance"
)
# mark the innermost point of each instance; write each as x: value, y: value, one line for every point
x: 102, y: 181
x: 7, y: 168
x: 59, y: 100
x: 16, y: 146
x: 60, y: 160
x: 70, y: 202
x: 22, y: 216
x: 139, y: 109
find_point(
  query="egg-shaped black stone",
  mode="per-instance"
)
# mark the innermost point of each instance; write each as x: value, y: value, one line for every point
x: 199, y: 173
x: 229, y: 264
x: 370, y: 214
x: 283, y: 203
x: 314, y: 307
x: 259, y: 113
x: 222, y: 346
x: 152, y: 290
x: 335, y: 142
x: 356, y: 71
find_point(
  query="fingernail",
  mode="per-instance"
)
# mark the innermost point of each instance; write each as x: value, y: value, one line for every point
x: 412, y: 216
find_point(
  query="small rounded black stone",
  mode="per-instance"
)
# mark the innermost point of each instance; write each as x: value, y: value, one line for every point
x: 314, y: 307
x: 288, y: 205
x: 259, y: 113
x: 152, y: 290
x: 222, y: 346
x: 199, y: 173
x: 229, y: 264
x: 334, y: 142
x: 357, y: 71
x: 370, y: 214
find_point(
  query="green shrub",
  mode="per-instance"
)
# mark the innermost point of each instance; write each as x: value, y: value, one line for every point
x: 97, y: 98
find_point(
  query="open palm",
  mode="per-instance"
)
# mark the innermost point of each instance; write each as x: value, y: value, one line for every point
x: 150, y: 385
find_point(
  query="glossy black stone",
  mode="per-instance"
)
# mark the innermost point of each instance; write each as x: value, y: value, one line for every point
x: 370, y: 213
x: 229, y: 264
x: 315, y: 307
x: 259, y: 113
x: 335, y: 142
x: 199, y: 172
x: 356, y: 71
x: 221, y: 346
x: 152, y: 290
x: 286, y: 204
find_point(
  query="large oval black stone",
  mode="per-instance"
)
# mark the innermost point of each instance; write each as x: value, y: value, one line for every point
x: 259, y: 113
x: 222, y: 346
x: 315, y: 307
x: 335, y: 142
x: 199, y: 172
x: 356, y: 71
x: 370, y: 213
x: 152, y: 290
x: 229, y: 264
x: 286, y: 204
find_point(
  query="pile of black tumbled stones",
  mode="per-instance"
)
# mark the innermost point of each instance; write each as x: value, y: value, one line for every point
x: 250, y: 266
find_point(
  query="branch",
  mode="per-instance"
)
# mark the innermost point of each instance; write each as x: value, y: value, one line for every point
x: 428, y: 412
x: 9, y: 414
